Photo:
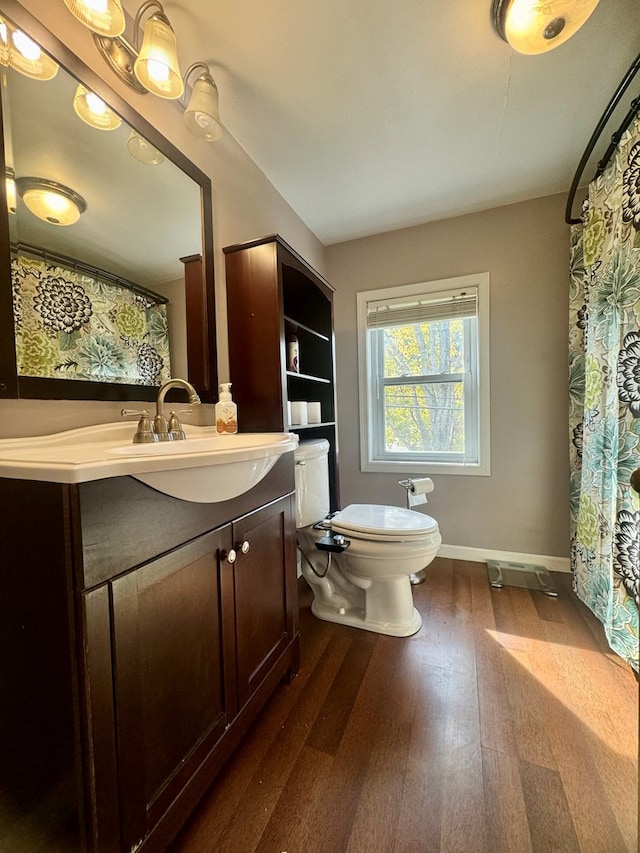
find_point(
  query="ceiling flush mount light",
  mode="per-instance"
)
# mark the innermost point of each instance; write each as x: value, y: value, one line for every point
x: 50, y: 201
x: 202, y: 114
x: 152, y: 66
x: 93, y: 110
x: 104, y: 17
x: 533, y: 26
x: 21, y: 53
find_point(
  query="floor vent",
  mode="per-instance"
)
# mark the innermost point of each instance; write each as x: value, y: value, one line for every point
x: 502, y: 573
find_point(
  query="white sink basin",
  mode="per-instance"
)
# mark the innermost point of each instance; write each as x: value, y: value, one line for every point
x: 205, y: 467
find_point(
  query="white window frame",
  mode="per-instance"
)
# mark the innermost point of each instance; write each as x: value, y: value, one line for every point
x: 371, y: 385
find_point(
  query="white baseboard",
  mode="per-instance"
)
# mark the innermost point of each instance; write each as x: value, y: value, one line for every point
x: 481, y: 555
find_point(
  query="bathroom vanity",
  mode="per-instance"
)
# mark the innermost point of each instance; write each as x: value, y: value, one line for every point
x: 141, y: 635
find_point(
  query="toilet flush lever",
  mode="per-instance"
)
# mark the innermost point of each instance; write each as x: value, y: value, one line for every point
x: 336, y: 543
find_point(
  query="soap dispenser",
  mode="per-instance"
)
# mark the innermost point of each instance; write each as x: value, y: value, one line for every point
x: 226, y: 411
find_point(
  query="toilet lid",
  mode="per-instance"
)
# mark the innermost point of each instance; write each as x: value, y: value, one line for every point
x: 383, y: 521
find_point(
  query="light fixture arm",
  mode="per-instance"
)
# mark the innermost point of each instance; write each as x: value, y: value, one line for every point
x: 206, y: 74
x: 149, y: 4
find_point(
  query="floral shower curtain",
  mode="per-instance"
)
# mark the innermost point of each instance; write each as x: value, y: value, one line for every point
x: 604, y: 362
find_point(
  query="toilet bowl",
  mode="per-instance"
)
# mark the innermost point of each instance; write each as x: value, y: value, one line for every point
x: 367, y: 585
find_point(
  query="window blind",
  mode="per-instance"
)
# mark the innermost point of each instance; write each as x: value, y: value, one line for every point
x: 427, y: 308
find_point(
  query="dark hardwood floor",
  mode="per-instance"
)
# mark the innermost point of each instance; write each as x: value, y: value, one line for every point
x: 504, y: 726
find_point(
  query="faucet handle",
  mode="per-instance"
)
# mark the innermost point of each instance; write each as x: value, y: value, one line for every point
x: 175, y: 427
x: 144, y: 434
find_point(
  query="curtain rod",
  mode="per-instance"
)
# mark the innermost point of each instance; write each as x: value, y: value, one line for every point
x: 79, y: 266
x: 615, y: 139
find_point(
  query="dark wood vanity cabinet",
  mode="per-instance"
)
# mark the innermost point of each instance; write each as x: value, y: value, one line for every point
x: 159, y: 661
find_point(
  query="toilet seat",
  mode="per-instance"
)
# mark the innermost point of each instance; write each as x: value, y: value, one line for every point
x: 383, y: 523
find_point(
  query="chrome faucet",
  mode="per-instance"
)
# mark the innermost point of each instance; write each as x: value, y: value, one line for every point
x: 173, y: 430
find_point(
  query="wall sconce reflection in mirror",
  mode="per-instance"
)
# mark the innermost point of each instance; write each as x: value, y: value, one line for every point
x: 143, y: 151
x: 153, y: 65
x: 93, y: 110
x: 20, y: 52
x: 50, y: 201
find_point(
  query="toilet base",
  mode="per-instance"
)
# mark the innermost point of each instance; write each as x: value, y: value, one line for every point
x: 354, y: 618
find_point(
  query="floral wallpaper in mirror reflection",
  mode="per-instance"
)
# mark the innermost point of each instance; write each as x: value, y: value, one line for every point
x: 71, y: 325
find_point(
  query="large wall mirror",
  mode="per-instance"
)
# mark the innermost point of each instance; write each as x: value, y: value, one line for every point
x: 121, y: 299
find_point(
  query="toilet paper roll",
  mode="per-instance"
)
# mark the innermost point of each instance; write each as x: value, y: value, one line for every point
x: 299, y: 415
x: 421, y: 487
x: 418, y: 491
x: 314, y: 412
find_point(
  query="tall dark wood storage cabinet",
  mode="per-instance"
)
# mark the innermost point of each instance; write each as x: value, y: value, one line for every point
x: 273, y: 295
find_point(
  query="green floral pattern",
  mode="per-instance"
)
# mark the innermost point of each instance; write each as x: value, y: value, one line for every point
x: 604, y: 398
x: 70, y: 325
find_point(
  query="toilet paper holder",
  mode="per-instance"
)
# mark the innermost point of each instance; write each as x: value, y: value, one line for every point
x: 412, y: 488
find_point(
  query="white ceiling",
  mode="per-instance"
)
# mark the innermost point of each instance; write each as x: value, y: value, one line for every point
x: 371, y: 115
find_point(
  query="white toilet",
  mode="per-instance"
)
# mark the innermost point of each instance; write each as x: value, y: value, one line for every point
x: 367, y: 585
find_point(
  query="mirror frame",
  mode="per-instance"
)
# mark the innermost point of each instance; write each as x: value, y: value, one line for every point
x: 199, y: 272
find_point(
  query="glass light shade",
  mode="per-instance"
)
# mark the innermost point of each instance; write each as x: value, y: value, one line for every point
x: 27, y: 58
x: 10, y: 183
x: 143, y: 151
x: 202, y: 115
x: 156, y: 66
x: 4, y: 42
x: 104, y: 17
x: 93, y: 110
x: 533, y: 27
x: 50, y: 201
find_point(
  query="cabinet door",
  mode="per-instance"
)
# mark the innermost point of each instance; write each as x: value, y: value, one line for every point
x: 265, y: 591
x: 171, y: 664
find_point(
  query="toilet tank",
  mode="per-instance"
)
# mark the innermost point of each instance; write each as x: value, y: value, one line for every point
x: 312, y: 481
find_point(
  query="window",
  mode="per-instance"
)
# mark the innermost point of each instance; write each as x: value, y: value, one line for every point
x: 424, y: 377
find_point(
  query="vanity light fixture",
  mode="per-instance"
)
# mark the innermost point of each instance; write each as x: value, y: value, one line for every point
x: 202, y: 113
x: 93, y: 110
x: 21, y: 53
x: 50, y: 201
x: 143, y: 151
x: 152, y: 66
x: 104, y: 17
x: 532, y: 27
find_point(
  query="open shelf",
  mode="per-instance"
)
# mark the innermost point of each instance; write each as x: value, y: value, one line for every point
x: 272, y: 294
x: 293, y: 375
x: 297, y: 327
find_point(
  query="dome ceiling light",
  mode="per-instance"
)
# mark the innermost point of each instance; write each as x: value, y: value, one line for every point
x: 50, y: 201
x: 534, y: 26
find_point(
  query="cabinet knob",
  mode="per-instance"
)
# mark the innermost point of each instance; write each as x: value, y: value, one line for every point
x: 243, y: 547
x: 230, y: 556
x: 635, y: 480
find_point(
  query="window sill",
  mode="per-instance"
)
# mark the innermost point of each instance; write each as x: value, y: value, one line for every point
x: 407, y: 468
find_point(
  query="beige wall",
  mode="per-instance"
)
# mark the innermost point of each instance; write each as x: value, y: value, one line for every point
x: 245, y: 206
x: 522, y: 506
